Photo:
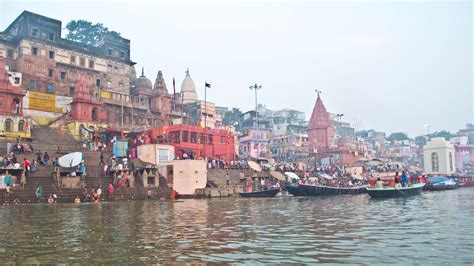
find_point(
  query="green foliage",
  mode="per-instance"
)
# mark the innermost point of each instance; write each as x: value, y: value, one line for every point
x: 443, y: 134
x: 85, y: 32
x: 420, y: 141
x: 397, y: 136
x: 232, y: 117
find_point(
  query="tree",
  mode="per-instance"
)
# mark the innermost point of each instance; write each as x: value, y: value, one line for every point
x: 397, y: 136
x: 420, y: 141
x: 442, y: 134
x: 232, y: 117
x: 85, y: 32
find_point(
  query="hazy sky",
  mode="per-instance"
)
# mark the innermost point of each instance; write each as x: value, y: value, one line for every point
x: 386, y: 65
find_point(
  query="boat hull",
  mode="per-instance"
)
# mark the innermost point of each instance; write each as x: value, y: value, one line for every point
x: 260, y: 194
x: 314, y: 191
x: 394, y: 192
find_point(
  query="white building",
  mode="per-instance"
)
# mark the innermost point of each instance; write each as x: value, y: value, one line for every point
x: 438, y: 156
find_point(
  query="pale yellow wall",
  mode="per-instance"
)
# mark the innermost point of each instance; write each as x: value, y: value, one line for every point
x: 14, y: 133
x: 189, y: 175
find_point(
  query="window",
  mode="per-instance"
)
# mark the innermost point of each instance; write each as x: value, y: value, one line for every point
x: 73, y: 59
x: 91, y: 63
x: 210, y: 139
x: 63, y: 75
x: 34, y: 32
x: 97, y: 82
x: 82, y: 62
x: 51, y: 54
x: 122, y: 55
x: 50, y: 73
x: 10, y: 53
x: 202, y: 138
x: 21, y: 126
x: 71, y: 91
x: 17, y: 81
x: 16, y: 106
x: 109, y: 52
x: 34, y: 50
x: 163, y: 155
x: 95, y: 116
x: 193, y: 137
x: 50, y: 88
x: 8, y: 125
x: 32, y: 84
x: 451, y: 166
x: 115, y: 69
x: 434, y: 162
x: 185, y: 136
x: 51, y: 36
x: 109, y: 68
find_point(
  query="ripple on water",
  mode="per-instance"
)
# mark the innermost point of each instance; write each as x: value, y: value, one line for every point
x: 432, y: 228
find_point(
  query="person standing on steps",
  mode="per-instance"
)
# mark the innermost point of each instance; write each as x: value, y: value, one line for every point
x: 111, y: 191
x: 40, y: 194
x: 227, y: 179
x: 7, y: 194
x: 45, y: 158
x: 38, y: 157
x: 101, y: 158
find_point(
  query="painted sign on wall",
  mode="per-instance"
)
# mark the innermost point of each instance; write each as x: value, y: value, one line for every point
x: 47, y: 102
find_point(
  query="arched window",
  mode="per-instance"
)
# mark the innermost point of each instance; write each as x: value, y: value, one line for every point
x: 434, y: 162
x: 94, y: 114
x: 451, y: 165
x: 16, y: 106
x: 21, y: 126
x: 8, y: 125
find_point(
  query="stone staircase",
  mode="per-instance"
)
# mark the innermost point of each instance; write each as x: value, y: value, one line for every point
x: 46, y: 139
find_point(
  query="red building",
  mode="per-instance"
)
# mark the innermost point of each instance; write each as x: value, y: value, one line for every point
x: 13, y: 124
x: 84, y: 107
x: 191, y: 140
x: 320, y: 129
x: 11, y: 97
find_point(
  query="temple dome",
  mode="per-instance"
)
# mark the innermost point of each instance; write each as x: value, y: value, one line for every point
x: 143, y: 83
x: 188, y: 89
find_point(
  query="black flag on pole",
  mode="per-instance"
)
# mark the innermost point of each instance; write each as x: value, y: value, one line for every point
x: 208, y: 85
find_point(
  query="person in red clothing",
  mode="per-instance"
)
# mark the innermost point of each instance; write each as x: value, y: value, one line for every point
x: 26, y: 166
x: 111, y: 190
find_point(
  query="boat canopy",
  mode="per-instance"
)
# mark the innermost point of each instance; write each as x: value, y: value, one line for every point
x: 278, y: 175
x: 254, y: 166
x: 292, y: 175
x: 437, y: 179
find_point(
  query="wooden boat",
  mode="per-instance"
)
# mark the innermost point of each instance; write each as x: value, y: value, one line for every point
x: 440, y: 183
x: 314, y: 190
x: 260, y: 194
x: 395, y: 191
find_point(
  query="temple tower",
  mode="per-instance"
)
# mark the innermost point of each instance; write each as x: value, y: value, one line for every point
x: 320, y: 129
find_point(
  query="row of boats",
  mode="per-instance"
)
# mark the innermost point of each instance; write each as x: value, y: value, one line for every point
x: 388, y: 190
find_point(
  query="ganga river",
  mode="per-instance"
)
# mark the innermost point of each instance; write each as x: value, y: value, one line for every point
x: 433, y: 228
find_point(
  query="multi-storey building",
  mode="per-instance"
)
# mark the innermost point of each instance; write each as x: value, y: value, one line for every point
x: 49, y: 67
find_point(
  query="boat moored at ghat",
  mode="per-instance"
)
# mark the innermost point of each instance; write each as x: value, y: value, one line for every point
x: 316, y: 190
x: 269, y: 193
x: 395, y: 191
x: 437, y: 183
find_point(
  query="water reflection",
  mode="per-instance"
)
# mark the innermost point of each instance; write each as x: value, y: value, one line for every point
x: 343, y: 229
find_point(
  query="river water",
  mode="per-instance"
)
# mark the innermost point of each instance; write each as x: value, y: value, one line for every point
x: 435, y: 227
